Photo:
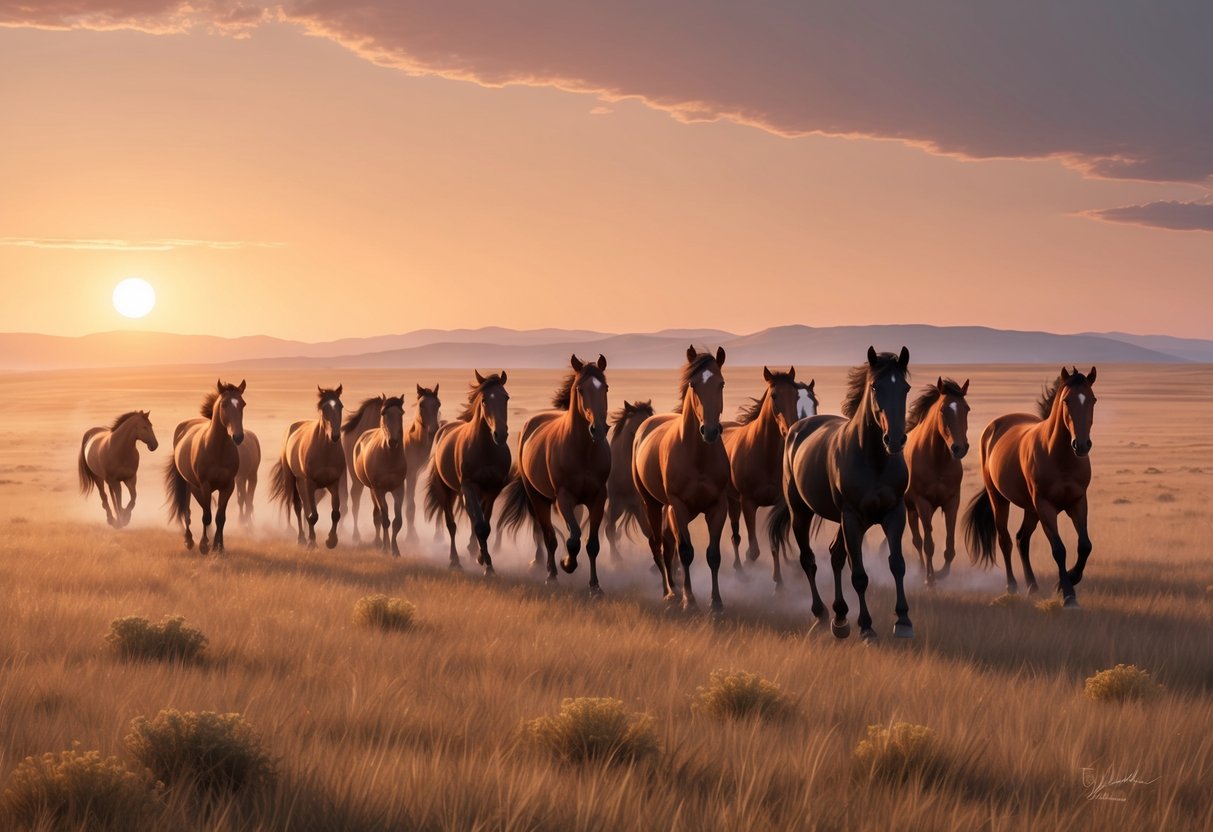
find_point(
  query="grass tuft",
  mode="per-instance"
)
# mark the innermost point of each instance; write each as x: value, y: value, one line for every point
x: 589, y: 728
x: 1050, y: 606
x: 79, y: 790
x: 137, y: 639
x: 1007, y: 600
x: 1123, y: 683
x: 738, y: 694
x: 899, y: 752
x: 211, y: 752
x: 384, y: 612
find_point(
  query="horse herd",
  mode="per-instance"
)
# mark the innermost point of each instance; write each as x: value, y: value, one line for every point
x: 878, y: 463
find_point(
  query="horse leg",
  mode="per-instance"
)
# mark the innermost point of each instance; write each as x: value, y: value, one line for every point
x: 916, y: 535
x: 611, y: 517
x: 397, y: 521
x: 448, y: 513
x: 734, y: 512
x: 297, y: 506
x: 950, y: 511
x: 115, y: 489
x: 204, y: 499
x: 1078, y: 514
x: 307, y: 494
x: 924, y: 512
x: 225, y: 495
x: 1023, y: 540
x: 852, y: 533
x: 679, y: 518
x: 1048, y: 520
x: 802, y: 518
x: 105, y: 504
x: 597, y: 509
x: 354, y: 490
x: 567, y: 504
x: 130, y: 506
x: 487, y: 500
x: 335, y: 514
x: 410, y: 505
x: 838, y: 556
x: 185, y: 519
x: 894, y: 525
x: 474, y: 507
x: 379, y: 518
x: 1002, y: 519
x: 655, y: 531
x: 749, y: 511
x: 715, y: 518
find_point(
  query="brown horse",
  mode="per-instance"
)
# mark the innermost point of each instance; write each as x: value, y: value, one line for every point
x: 938, y: 430
x: 755, y: 446
x: 1040, y: 463
x: 109, y: 458
x: 381, y: 465
x: 471, y: 460
x: 623, y: 507
x: 681, y: 470
x: 246, y: 476
x: 365, y: 417
x: 206, y: 458
x: 418, y: 445
x: 850, y: 469
x: 564, y: 461
x: 312, y: 459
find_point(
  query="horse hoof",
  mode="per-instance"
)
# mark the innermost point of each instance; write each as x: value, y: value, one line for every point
x: 901, y: 630
x: 189, y: 544
x: 455, y: 566
x: 944, y: 571
x: 569, y: 565
x: 204, y: 547
x: 1071, y: 603
x: 867, y: 635
x: 689, y: 604
x: 535, y: 564
x: 818, y: 624
x: 1012, y: 589
x: 778, y: 590
x: 550, y: 580
x: 595, y: 591
x: 1033, y: 589
x: 489, y: 572
x: 331, y: 543
x: 717, y: 607
x: 840, y: 629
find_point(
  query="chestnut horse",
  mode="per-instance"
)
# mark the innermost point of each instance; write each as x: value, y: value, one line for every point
x: 937, y: 426
x: 1040, y: 463
x: 850, y: 469
x: 755, y: 446
x: 246, y: 476
x: 312, y: 459
x: 471, y: 460
x: 681, y: 470
x: 109, y: 458
x: 564, y: 461
x: 206, y: 458
x: 623, y: 507
x: 380, y: 464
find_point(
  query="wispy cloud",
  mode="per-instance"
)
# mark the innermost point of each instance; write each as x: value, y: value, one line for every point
x: 107, y: 244
x: 1172, y: 215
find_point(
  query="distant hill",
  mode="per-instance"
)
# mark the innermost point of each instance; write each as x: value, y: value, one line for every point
x: 548, y: 348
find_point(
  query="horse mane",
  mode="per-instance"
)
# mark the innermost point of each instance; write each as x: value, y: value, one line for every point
x: 930, y: 394
x: 689, y: 371
x: 1048, y: 395
x: 857, y: 380
x: 563, y: 396
x: 620, y: 416
x: 208, y: 404
x: 426, y: 391
x: 476, y: 391
x: 352, y: 421
x: 749, y: 412
x: 391, y: 401
x: 130, y: 415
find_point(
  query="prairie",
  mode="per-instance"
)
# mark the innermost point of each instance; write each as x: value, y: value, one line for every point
x: 423, y: 727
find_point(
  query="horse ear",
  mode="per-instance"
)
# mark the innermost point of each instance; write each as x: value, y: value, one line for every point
x: 340, y: 387
x: 436, y: 389
x: 627, y: 407
x: 479, y: 378
x: 939, y: 384
x: 503, y: 376
x: 601, y: 362
x: 1091, y: 376
x: 904, y: 358
x: 1065, y: 374
x: 812, y: 383
x: 871, y: 356
x: 319, y: 389
x: 419, y: 390
x: 766, y: 374
x: 964, y: 388
x: 241, y: 387
x: 577, y: 363
x: 792, y: 373
x: 720, y: 356
x: 219, y: 385
x: 691, y: 353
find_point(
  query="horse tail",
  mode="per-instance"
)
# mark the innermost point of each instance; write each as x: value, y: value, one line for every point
x: 88, y: 480
x: 282, y: 487
x: 178, y: 491
x: 980, y: 529
x: 433, y: 494
x: 629, y: 519
x: 516, y: 505
x: 779, y: 523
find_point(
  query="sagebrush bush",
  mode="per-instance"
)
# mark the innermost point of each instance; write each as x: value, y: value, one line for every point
x: 899, y: 751
x: 79, y: 790
x: 590, y: 728
x: 136, y: 638
x: 1050, y: 606
x: 384, y: 612
x: 208, y: 751
x: 1123, y: 683
x: 737, y: 694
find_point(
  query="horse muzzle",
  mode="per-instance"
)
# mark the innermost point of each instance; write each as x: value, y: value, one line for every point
x: 893, y: 447
x: 598, y: 432
x: 1081, y: 447
x: 959, y: 451
x: 153, y: 445
x: 500, y: 437
x: 238, y: 437
x: 393, y: 444
x: 709, y: 434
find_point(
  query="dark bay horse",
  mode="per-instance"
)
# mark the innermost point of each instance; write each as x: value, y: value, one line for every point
x: 418, y: 445
x: 564, y: 461
x: 312, y: 460
x: 246, y: 476
x: 938, y: 430
x: 380, y: 464
x: 206, y: 458
x: 1041, y: 464
x: 623, y: 507
x: 850, y: 469
x: 755, y: 446
x: 109, y: 459
x: 681, y: 470
x: 471, y: 461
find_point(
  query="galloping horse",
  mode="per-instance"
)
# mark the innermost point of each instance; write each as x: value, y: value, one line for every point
x: 246, y: 476
x: 472, y: 460
x: 312, y: 459
x: 564, y: 460
x: 418, y: 444
x: 380, y: 464
x: 938, y: 430
x: 206, y: 458
x: 850, y: 469
x: 1040, y: 463
x: 623, y: 502
x: 806, y: 400
x: 109, y: 457
x: 365, y: 417
x: 755, y: 446
x: 681, y: 470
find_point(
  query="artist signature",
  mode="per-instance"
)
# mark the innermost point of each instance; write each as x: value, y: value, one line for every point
x: 1108, y: 786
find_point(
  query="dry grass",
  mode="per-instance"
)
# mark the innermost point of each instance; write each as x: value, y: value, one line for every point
x: 592, y: 728
x: 1123, y: 683
x: 132, y: 637
x: 384, y: 613
x: 738, y: 694
x: 79, y: 790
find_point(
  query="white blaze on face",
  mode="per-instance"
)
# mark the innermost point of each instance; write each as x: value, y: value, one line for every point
x: 707, y: 374
x: 1082, y: 399
x: 805, y: 406
x: 597, y: 383
x: 955, y: 407
x: 894, y: 378
x: 234, y: 402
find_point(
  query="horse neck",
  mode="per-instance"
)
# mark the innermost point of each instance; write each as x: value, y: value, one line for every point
x: 479, y: 424
x: 418, y: 428
x: 1057, y: 435
x: 573, y: 419
x: 932, y: 427
x: 124, y: 436
x: 688, y: 425
x: 864, y: 425
x: 765, y: 426
x: 218, y: 429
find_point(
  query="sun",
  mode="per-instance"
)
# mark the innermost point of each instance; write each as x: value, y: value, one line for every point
x: 134, y: 297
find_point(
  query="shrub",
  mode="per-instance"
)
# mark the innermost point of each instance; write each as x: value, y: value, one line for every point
x: 79, y: 790
x: 1050, y: 606
x: 1007, y: 600
x: 384, y: 612
x: 591, y: 728
x: 899, y: 751
x: 209, y: 751
x: 1122, y: 683
x: 738, y: 694
x: 136, y: 638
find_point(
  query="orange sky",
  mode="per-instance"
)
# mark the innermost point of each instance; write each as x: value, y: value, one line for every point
x: 283, y: 184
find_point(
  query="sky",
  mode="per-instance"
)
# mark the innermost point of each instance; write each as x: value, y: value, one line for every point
x: 318, y: 169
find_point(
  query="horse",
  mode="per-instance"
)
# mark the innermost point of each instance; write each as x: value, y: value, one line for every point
x: 806, y: 399
x: 206, y: 459
x: 681, y: 470
x: 938, y: 429
x: 850, y: 469
x: 418, y: 444
x: 1040, y: 463
x: 755, y: 446
x: 246, y: 476
x: 381, y: 465
x: 623, y: 507
x: 312, y: 459
x: 564, y: 461
x: 471, y: 460
x: 109, y: 458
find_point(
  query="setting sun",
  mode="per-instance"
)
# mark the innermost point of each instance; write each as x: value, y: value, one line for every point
x: 134, y: 297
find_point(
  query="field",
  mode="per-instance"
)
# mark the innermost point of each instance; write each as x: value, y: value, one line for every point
x: 423, y: 728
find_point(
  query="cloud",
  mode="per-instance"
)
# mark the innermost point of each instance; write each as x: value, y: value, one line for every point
x: 103, y: 244
x: 1176, y: 216
x: 153, y: 16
